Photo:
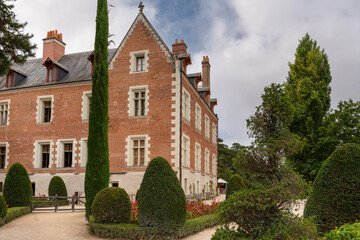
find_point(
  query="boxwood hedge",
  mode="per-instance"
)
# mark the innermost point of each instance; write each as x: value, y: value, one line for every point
x: 236, y: 183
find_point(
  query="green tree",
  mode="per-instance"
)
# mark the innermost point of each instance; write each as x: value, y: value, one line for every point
x: 97, y: 167
x: 308, y: 91
x: 236, y: 183
x: 272, y: 139
x: 57, y: 187
x: 15, y: 46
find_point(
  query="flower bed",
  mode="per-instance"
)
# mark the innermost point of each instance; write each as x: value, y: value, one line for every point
x: 194, y: 209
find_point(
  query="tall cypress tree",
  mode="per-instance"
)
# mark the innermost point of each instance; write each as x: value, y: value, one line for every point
x: 97, y: 167
x: 308, y: 91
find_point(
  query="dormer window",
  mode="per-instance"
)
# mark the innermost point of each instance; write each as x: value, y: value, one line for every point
x: 52, y: 74
x: 10, y: 79
x: 139, y: 61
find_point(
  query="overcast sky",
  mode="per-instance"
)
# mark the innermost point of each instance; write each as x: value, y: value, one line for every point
x: 249, y: 42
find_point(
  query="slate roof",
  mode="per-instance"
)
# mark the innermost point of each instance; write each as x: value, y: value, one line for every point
x: 77, y: 65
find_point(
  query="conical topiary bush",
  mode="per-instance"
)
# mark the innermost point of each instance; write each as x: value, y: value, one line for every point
x: 334, y: 199
x: 57, y: 187
x: 162, y: 202
x: 17, y: 186
x: 236, y: 183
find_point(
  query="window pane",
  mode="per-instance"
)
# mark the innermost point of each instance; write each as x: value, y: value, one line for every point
x: 68, y: 155
x: 136, y: 157
x: 142, y: 156
x: 2, y: 157
x: 142, y: 143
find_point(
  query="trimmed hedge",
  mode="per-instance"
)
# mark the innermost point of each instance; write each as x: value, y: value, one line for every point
x: 3, y: 207
x: 347, y: 231
x: 133, y: 231
x: 14, y: 213
x: 36, y: 203
x: 17, y: 186
x: 236, y: 183
x: 334, y: 199
x: 57, y: 187
x: 162, y: 203
x: 111, y: 205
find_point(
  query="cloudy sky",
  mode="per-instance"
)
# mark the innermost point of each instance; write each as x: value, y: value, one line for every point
x: 249, y: 42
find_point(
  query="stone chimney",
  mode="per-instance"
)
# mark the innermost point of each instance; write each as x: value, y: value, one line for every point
x: 206, y: 77
x: 179, y: 48
x: 53, y: 46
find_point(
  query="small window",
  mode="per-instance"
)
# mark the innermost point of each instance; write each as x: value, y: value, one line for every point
x: 214, y: 134
x: 214, y: 164
x: 86, y: 104
x: 45, y: 155
x: 185, y: 185
x: 4, y: 112
x: 197, y: 157
x: 139, y: 152
x: 207, y: 161
x: 52, y: 74
x: 1, y: 186
x: 68, y: 153
x: 138, y: 101
x: 140, y: 63
x: 2, y: 157
x: 186, y: 151
x: 47, y: 111
x: 115, y: 184
x: 10, y: 79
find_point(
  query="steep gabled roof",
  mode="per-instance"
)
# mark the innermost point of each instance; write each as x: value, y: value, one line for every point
x: 141, y: 17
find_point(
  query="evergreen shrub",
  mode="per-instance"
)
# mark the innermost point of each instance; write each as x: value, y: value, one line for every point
x: 3, y: 207
x: 347, y: 231
x: 17, y: 187
x: 162, y: 203
x: 111, y: 205
x: 334, y: 199
x: 57, y: 187
x: 236, y: 183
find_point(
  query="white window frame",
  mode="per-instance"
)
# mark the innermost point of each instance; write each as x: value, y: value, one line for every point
x: 83, y: 152
x: 207, y: 160
x: 131, y: 100
x: 214, y: 164
x: 207, y: 127
x: 198, y: 117
x: 197, y: 157
x: 38, y: 153
x: 186, y: 106
x: 6, y: 145
x: 185, y: 155
x: 60, y: 158
x: 6, y: 102
x: 133, y: 61
x: 129, y: 159
x: 40, y: 109
x: 85, y: 105
x: 214, y: 134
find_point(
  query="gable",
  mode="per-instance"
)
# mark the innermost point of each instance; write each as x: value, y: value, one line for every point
x: 141, y: 18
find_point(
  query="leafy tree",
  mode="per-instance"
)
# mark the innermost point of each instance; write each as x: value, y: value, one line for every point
x: 236, y: 183
x: 15, y: 46
x: 97, y: 167
x: 308, y: 91
x: 273, y: 140
x: 226, y: 156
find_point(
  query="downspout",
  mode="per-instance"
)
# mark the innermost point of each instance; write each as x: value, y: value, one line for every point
x: 180, y: 135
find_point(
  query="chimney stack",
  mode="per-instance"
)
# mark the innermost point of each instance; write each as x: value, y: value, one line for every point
x: 206, y: 76
x: 53, y: 46
x: 179, y: 48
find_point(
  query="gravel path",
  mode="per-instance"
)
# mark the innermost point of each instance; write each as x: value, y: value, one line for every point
x: 61, y: 226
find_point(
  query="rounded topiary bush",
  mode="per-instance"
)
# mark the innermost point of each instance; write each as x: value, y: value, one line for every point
x: 17, y: 187
x: 334, y: 199
x: 57, y: 187
x: 3, y: 207
x: 236, y: 183
x: 111, y: 205
x: 162, y: 202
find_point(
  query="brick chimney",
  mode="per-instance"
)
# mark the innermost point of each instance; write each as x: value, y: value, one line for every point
x: 53, y: 46
x: 179, y: 48
x: 206, y: 76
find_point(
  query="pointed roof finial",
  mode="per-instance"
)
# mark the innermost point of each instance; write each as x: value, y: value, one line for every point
x: 141, y: 6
